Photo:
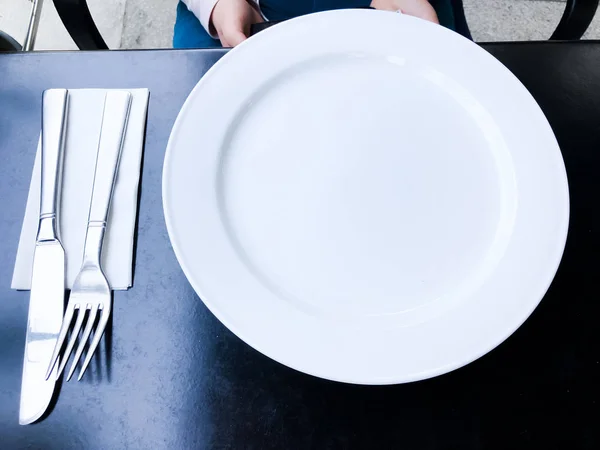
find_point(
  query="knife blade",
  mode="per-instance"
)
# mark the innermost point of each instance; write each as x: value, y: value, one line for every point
x: 46, y: 301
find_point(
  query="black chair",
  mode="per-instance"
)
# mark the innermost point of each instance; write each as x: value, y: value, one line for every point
x: 78, y: 20
x: 575, y: 20
x: 8, y: 43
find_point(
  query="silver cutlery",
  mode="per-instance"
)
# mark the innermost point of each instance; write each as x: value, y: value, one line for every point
x: 46, y: 302
x: 91, y: 293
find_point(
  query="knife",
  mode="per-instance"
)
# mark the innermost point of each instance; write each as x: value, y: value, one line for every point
x: 46, y: 302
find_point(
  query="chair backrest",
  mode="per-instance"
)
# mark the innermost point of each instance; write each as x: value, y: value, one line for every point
x: 576, y: 19
x: 460, y: 20
x: 8, y: 44
x: 77, y: 19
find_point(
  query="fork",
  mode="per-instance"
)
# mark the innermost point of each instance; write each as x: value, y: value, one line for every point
x: 91, y: 291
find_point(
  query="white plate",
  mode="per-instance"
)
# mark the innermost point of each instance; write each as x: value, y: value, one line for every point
x: 365, y: 197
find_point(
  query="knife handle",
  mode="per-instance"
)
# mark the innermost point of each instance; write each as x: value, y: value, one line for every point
x: 54, y: 111
x: 112, y: 134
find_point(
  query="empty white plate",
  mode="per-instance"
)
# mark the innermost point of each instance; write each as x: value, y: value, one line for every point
x: 365, y: 197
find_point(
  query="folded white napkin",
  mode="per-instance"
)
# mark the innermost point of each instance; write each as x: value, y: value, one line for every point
x: 83, y: 133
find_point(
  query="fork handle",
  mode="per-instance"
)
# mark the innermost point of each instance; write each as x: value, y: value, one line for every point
x: 112, y: 134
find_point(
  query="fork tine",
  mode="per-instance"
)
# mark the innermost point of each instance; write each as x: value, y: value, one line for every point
x: 104, y: 316
x: 74, y: 334
x: 84, y: 338
x: 64, y: 328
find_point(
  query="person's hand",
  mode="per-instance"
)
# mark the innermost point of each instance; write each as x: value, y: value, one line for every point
x: 417, y: 8
x: 232, y: 19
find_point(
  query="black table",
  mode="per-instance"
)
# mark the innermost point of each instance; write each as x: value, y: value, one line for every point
x: 171, y: 376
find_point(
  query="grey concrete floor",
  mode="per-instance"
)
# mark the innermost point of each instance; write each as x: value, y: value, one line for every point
x: 149, y: 23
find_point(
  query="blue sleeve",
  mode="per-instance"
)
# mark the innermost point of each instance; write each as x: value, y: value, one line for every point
x: 324, y: 5
x: 357, y: 3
